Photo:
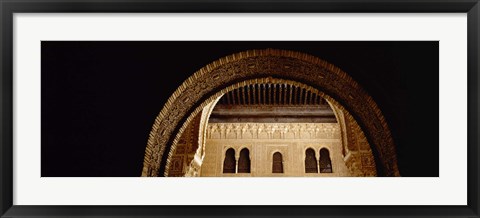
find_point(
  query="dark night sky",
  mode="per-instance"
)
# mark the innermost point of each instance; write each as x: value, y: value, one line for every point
x: 99, y: 99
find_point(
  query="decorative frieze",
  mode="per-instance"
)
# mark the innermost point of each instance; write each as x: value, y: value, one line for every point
x: 273, y: 131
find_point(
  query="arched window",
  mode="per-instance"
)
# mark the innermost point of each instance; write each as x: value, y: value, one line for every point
x: 310, y: 161
x: 325, y: 162
x: 229, y: 161
x: 244, y: 161
x: 277, y: 165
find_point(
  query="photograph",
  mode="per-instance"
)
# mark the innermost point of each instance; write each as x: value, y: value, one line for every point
x: 240, y: 109
x: 271, y: 108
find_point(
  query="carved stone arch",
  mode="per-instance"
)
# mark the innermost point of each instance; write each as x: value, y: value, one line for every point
x: 312, y: 148
x: 308, y: 159
x: 226, y: 148
x: 246, y: 160
x: 224, y: 158
x: 277, y: 165
x: 269, y: 80
x: 209, y: 105
x: 270, y: 154
x: 248, y: 147
x: 275, y: 151
x: 324, y: 148
x: 231, y: 72
x: 325, y: 158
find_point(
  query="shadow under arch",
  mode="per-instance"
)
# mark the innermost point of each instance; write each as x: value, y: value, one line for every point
x: 233, y: 71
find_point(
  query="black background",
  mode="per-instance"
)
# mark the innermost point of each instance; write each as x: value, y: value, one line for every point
x: 100, y: 99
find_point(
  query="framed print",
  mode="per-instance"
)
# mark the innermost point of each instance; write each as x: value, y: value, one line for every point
x: 246, y: 109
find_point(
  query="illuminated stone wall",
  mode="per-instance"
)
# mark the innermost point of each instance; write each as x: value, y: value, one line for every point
x: 349, y: 150
x: 264, y: 139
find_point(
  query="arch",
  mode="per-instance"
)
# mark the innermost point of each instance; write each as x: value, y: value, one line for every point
x: 325, y: 162
x: 233, y: 71
x: 244, y: 161
x: 277, y: 162
x: 229, y: 162
x: 310, y: 161
x: 263, y: 82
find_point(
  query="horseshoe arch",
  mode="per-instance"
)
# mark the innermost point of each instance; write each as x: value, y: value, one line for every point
x: 204, y: 86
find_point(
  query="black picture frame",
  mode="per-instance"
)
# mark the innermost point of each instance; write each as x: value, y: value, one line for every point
x: 9, y: 7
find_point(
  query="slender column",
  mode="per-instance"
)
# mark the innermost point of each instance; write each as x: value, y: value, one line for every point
x: 236, y: 166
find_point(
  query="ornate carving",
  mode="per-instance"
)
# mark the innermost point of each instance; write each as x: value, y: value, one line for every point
x: 274, y: 130
x: 256, y: 66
